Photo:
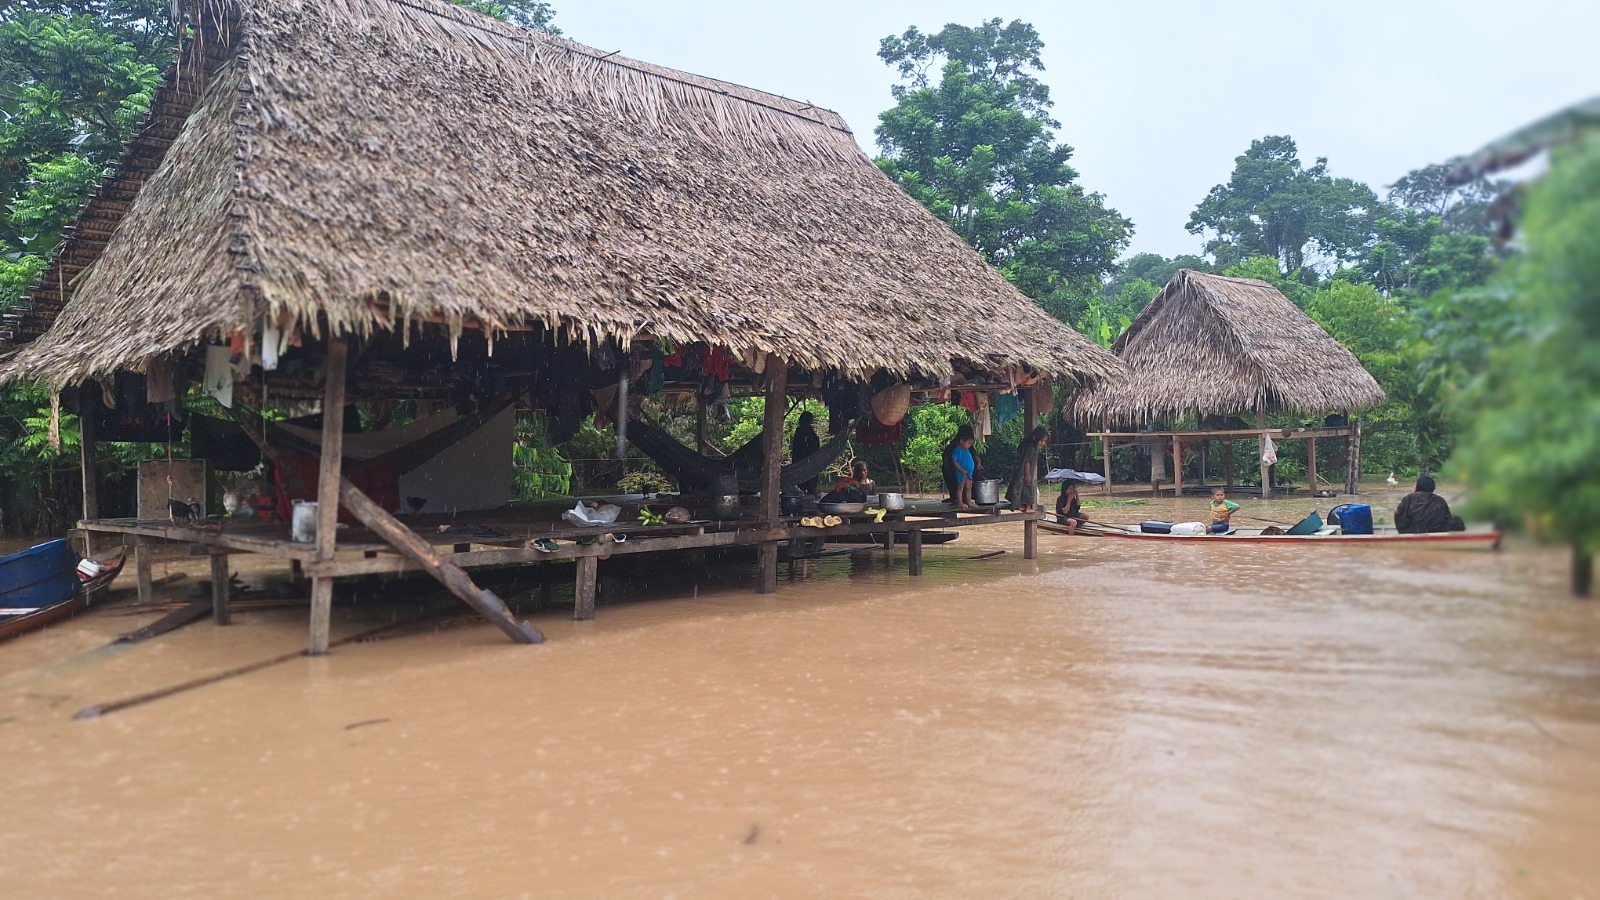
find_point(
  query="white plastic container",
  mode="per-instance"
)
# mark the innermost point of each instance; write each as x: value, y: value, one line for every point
x: 303, y: 522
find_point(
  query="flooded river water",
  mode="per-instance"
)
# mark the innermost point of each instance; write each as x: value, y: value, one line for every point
x: 1115, y: 719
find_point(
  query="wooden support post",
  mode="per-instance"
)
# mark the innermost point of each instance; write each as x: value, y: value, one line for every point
x: 1582, y: 569
x: 221, y: 614
x: 1177, y: 467
x: 1311, y: 464
x: 420, y: 552
x: 1205, y: 460
x: 1352, y: 474
x: 88, y: 457
x: 888, y: 547
x: 141, y: 568
x: 1227, y: 459
x: 914, y: 551
x: 584, y: 591
x: 767, y: 567
x: 1105, y: 448
x: 329, y: 472
x: 1030, y: 538
x: 1158, y: 464
x: 622, y: 411
x: 699, y: 423
x: 771, y: 470
x: 1261, y: 452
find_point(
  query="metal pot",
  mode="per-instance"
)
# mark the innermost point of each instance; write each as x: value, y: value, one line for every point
x: 726, y: 506
x: 986, y: 492
x: 892, y: 502
x: 791, y: 504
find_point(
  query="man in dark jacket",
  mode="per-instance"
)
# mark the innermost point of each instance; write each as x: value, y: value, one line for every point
x: 804, y: 443
x: 1424, y: 512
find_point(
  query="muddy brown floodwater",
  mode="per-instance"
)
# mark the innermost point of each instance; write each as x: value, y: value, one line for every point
x: 1115, y: 719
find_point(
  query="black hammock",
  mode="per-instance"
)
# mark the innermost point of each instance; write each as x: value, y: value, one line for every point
x: 694, y: 471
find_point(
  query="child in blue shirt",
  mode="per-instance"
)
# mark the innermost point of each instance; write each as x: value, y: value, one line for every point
x: 961, y: 458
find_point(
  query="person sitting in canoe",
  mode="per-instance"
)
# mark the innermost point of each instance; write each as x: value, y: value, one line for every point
x: 1424, y: 512
x: 1222, y: 510
x: 1069, y: 511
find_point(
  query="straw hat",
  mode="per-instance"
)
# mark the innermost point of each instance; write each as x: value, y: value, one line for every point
x: 890, y: 404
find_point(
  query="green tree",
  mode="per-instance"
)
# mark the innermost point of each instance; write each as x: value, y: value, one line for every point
x: 1532, y: 446
x: 535, y: 14
x: 977, y: 148
x: 1460, y: 209
x: 1274, y: 206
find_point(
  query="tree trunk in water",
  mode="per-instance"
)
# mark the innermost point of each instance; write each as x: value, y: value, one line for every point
x: 1582, y: 570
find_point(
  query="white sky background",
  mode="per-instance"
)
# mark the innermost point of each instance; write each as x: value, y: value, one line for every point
x: 1159, y: 97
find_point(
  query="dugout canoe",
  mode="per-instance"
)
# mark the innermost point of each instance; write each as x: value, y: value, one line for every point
x: 41, y: 585
x: 1474, y: 538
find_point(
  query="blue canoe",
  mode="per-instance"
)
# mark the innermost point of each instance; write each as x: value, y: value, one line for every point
x: 41, y: 584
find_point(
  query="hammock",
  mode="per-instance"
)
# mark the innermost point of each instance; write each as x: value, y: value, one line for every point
x: 694, y: 471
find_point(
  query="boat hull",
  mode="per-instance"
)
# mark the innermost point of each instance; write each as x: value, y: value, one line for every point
x: 41, y: 591
x: 1483, y: 539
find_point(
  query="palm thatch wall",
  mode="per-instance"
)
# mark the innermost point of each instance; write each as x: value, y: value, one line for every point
x: 1216, y: 345
x: 380, y: 163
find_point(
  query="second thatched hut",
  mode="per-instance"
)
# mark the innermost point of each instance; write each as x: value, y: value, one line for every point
x: 1218, y: 347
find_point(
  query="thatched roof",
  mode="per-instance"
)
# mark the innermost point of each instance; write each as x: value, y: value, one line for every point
x: 383, y: 162
x: 1217, y: 345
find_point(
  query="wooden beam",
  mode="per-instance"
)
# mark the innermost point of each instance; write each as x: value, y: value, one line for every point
x: 771, y: 469
x: 1311, y: 464
x: 329, y: 473
x: 141, y: 568
x: 584, y: 591
x: 622, y: 410
x: 1261, y: 452
x: 1105, y: 448
x: 420, y: 552
x: 914, y: 551
x: 87, y: 454
x: 1228, y: 461
x: 1177, y: 467
x: 1030, y: 537
x: 221, y: 614
x: 699, y: 423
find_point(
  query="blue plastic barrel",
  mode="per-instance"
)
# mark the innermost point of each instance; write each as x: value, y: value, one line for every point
x: 1354, y: 518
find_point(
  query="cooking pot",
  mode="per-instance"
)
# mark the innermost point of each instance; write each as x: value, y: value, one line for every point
x: 791, y: 504
x: 892, y: 502
x: 726, y: 506
x: 986, y: 492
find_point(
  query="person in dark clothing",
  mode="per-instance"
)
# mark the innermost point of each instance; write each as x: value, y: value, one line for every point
x: 1069, y: 509
x: 1023, y: 491
x: 1424, y: 512
x: 804, y: 444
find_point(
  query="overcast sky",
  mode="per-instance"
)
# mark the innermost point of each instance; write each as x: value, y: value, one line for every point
x: 1159, y: 97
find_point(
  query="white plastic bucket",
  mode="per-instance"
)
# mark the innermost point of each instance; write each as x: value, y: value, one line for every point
x: 303, y: 522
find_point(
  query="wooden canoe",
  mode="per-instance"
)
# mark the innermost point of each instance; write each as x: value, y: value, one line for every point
x: 1481, y: 538
x: 42, y: 586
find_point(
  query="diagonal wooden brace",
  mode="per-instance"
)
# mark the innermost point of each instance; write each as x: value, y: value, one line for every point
x: 453, y: 577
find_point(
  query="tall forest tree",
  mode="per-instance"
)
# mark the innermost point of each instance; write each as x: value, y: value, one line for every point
x: 971, y: 138
x: 1532, y: 448
x: 1275, y: 206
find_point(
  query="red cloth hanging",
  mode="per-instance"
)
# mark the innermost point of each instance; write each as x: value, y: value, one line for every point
x: 870, y: 431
